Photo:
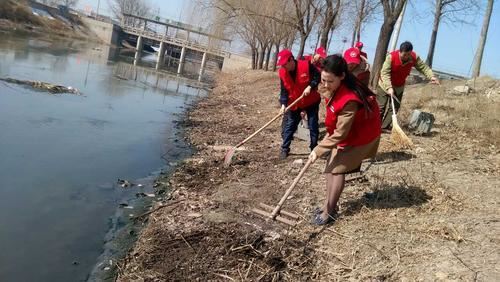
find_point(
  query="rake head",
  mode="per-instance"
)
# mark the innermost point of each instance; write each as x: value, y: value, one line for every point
x: 229, y: 156
x: 266, y: 211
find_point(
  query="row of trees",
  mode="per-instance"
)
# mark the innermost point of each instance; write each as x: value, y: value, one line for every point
x: 267, y: 26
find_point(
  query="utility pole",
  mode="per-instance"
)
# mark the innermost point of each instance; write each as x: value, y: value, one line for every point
x: 397, y: 28
x: 97, y: 11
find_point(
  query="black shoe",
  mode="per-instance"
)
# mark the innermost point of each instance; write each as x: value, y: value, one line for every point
x: 283, y: 155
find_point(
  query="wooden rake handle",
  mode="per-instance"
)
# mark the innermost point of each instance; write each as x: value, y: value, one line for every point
x: 290, y: 189
x: 269, y: 122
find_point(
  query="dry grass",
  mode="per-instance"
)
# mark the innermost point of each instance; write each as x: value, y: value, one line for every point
x: 426, y: 214
x: 475, y: 114
x: 18, y: 11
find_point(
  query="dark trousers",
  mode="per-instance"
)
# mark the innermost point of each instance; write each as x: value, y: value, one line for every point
x: 384, y: 105
x: 292, y: 119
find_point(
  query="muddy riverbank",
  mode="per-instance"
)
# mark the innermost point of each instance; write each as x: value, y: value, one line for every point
x: 429, y: 213
x: 17, y: 17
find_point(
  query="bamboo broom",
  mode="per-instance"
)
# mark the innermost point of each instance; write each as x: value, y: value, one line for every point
x: 397, y: 135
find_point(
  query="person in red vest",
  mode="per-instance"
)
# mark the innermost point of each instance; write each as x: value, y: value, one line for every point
x: 359, y: 45
x: 298, y: 77
x: 318, y: 57
x: 357, y: 65
x: 353, y: 131
x: 395, y: 70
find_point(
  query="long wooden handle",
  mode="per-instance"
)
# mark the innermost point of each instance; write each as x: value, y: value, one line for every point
x: 392, y: 105
x: 271, y: 121
x: 289, y: 191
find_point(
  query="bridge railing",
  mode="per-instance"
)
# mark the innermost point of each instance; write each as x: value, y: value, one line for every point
x: 174, y: 40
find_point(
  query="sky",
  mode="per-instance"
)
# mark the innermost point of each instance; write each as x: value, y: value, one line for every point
x: 455, y: 47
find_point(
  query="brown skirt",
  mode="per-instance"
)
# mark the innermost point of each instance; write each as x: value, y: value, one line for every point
x: 348, y: 160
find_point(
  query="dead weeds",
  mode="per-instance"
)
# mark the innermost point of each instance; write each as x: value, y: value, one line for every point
x: 430, y: 213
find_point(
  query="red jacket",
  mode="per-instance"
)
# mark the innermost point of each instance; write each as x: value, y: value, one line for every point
x: 297, y: 86
x: 366, y: 126
x: 400, y: 72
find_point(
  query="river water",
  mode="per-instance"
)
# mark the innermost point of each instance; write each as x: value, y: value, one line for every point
x: 61, y: 155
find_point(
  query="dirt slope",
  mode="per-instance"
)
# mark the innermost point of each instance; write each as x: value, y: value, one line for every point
x: 430, y: 213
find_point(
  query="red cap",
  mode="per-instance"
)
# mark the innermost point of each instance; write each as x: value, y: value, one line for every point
x: 351, y: 56
x: 283, y: 57
x: 321, y: 52
x: 359, y: 44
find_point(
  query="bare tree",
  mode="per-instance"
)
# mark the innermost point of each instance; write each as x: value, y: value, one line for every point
x: 329, y: 20
x: 392, y: 9
x: 305, y: 15
x: 451, y: 11
x: 68, y: 3
x: 140, y: 8
x: 261, y: 25
x: 482, y: 40
x: 366, y: 11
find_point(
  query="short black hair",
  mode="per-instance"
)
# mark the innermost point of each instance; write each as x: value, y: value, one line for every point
x: 406, y: 47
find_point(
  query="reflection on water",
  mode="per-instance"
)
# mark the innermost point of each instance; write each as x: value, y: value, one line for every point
x: 60, y: 155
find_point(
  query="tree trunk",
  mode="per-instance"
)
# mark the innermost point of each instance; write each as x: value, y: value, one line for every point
x: 358, y: 33
x: 329, y: 40
x: 262, y: 54
x: 303, y: 38
x: 482, y: 40
x: 254, y: 58
x: 354, y: 31
x: 359, y: 20
x: 317, y: 39
x: 277, y: 46
x: 399, y: 23
x: 268, y: 56
x: 432, y: 44
x: 331, y: 14
x: 380, y: 53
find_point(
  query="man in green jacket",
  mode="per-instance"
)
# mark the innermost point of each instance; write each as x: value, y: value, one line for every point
x: 396, y: 69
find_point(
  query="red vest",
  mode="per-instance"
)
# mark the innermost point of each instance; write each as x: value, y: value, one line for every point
x: 366, y: 126
x: 400, y: 72
x: 295, y: 88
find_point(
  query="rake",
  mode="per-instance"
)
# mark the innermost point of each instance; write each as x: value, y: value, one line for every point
x: 229, y: 154
x: 397, y: 135
x: 276, y: 213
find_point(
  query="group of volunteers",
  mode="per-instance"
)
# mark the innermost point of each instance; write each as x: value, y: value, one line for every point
x: 355, y: 115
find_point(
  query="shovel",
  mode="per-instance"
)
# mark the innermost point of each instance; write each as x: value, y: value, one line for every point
x: 229, y: 155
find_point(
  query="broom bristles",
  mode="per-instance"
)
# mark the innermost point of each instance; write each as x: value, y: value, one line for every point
x: 398, y: 136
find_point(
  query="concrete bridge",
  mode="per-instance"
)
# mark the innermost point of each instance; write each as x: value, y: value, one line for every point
x: 180, y: 41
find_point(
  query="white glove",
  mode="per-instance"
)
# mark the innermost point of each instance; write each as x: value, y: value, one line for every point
x: 307, y: 91
x: 390, y: 92
x: 282, y: 110
x: 313, y: 157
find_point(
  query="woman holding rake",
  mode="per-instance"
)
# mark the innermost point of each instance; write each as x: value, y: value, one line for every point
x: 353, y: 126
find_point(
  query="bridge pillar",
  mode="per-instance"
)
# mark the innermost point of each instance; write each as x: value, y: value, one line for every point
x: 181, y: 60
x: 138, y: 50
x: 203, y: 63
x: 161, y: 56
